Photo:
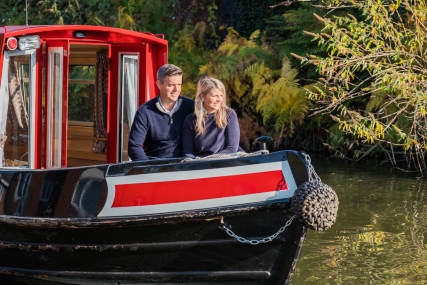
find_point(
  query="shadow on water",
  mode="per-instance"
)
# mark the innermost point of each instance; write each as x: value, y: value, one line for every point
x: 379, y: 235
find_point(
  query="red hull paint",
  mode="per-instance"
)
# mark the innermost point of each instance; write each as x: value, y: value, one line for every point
x: 155, y: 193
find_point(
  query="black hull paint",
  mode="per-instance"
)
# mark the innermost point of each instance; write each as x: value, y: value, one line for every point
x: 185, y: 252
x: 177, y: 248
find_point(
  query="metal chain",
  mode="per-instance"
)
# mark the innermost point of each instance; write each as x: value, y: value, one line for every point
x: 311, y: 172
x: 257, y: 241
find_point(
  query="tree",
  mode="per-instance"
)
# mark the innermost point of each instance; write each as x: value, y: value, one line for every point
x: 374, y: 79
x: 286, y: 35
x: 190, y: 53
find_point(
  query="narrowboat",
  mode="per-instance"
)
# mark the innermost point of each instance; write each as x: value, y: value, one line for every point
x: 75, y: 210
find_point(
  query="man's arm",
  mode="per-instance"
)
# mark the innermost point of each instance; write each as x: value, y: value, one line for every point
x: 188, y: 149
x: 137, y: 136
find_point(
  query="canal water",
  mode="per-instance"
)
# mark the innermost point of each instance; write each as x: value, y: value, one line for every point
x: 380, y: 236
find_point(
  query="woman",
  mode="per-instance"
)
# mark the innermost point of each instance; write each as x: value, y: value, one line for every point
x: 213, y: 127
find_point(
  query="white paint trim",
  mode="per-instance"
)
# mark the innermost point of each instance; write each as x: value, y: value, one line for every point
x: 194, y: 174
x: 195, y: 205
x: 289, y: 177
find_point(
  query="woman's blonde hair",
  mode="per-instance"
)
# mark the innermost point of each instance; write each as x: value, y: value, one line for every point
x: 204, y: 86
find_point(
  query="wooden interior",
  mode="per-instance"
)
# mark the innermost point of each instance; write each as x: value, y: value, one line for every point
x: 85, y: 54
x: 80, y: 141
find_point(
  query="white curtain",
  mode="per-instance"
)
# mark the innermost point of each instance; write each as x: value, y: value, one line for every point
x: 4, y: 104
x: 131, y: 74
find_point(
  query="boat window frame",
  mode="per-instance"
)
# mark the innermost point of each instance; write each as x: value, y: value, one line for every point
x: 135, y: 56
x: 4, y: 89
x: 55, y: 162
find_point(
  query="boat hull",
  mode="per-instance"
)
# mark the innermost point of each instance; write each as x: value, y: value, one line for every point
x: 181, y: 252
x: 176, y: 247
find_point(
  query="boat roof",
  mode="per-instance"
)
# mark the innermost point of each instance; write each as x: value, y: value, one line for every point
x: 67, y: 31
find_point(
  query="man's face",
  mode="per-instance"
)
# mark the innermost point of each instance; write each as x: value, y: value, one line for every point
x: 170, y: 89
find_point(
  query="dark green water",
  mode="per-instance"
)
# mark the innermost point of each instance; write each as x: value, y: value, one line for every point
x: 379, y: 235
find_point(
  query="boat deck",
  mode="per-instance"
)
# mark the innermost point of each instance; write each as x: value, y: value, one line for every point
x: 80, y: 143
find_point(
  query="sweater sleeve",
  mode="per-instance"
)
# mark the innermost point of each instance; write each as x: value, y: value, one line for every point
x: 232, y: 134
x: 188, y: 147
x: 137, y: 136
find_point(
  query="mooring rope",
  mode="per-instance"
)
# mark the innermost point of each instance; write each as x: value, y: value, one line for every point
x: 219, y: 156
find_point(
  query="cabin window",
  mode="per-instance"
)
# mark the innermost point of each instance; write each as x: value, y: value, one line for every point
x: 129, y: 91
x: 81, y: 90
x: 16, y: 109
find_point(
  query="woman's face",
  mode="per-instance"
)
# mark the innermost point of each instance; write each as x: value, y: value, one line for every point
x: 212, y: 101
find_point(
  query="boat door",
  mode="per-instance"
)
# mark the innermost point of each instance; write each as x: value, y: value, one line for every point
x: 133, y: 65
x: 76, y: 103
x: 56, y: 104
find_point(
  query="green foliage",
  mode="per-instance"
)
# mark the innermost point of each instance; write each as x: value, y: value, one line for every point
x: 254, y: 15
x: 189, y: 52
x: 139, y: 15
x: 155, y: 16
x: 287, y: 34
x: 374, y: 76
x: 58, y: 12
x: 279, y: 97
x: 72, y: 12
x: 81, y: 96
x: 229, y: 62
x: 190, y: 12
x: 273, y: 96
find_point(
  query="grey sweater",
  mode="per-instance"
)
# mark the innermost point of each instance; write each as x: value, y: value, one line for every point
x: 214, y: 140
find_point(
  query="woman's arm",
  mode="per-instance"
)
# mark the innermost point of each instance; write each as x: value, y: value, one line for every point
x: 232, y: 134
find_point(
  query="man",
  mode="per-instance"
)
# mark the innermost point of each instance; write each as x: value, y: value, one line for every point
x: 157, y: 127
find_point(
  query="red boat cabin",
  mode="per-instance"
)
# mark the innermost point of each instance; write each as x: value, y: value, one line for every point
x: 68, y: 94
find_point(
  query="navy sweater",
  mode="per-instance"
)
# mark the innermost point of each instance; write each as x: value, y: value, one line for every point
x: 159, y: 133
x: 214, y: 140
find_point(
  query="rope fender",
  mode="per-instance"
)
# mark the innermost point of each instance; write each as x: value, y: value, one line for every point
x: 315, y: 204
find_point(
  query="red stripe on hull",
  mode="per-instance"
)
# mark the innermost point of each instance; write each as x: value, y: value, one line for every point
x: 154, y: 193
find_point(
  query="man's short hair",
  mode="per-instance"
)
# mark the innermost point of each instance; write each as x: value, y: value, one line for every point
x: 168, y: 70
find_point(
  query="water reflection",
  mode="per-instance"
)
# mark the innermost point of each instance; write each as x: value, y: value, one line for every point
x: 379, y: 234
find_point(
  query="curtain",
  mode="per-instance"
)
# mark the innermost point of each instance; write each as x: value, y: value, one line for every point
x: 100, y: 104
x: 131, y: 77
